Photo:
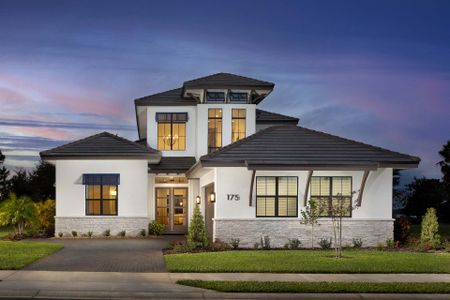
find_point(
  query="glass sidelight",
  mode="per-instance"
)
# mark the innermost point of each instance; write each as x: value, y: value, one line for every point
x: 171, y: 209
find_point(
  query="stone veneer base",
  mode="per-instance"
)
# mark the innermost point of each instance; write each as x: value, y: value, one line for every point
x: 98, y: 225
x: 279, y: 231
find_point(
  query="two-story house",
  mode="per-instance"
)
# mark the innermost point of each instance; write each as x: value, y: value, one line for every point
x: 250, y: 171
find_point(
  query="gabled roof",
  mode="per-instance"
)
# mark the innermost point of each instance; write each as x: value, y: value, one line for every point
x: 172, y: 98
x: 102, y: 145
x: 227, y: 80
x: 174, y: 164
x: 294, y: 147
x: 263, y: 116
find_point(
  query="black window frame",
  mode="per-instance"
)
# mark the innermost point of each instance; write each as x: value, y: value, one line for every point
x: 331, y: 196
x: 171, y: 118
x: 277, y: 196
x: 215, y: 99
x: 101, y: 183
x: 212, y: 149
x: 231, y: 93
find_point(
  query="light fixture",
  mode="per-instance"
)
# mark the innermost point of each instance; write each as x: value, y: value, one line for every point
x: 197, y: 199
x: 212, y: 197
x: 181, y: 203
x: 113, y: 192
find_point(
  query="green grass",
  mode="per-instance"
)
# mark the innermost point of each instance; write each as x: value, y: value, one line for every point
x: 16, y: 255
x: 309, y: 261
x: 319, y: 287
x: 4, y: 231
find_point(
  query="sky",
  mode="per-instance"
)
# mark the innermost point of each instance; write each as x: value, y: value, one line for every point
x: 373, y: 71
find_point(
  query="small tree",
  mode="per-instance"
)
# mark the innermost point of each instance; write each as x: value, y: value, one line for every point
x: 46, y: 216
x: 310, y: 215
x: 430, y: 228
x: 19, y: 212
x: 197, y: 234
x: 338, y: 211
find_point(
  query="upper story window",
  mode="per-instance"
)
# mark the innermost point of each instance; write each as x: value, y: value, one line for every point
x: 237, y: 124
x: 328, y: 192
x: 214, y: 129
x: 215, y: 97
x: 101, y: 194
x: 240, y: 97
x: 276, y: 196
x: 171, y: 131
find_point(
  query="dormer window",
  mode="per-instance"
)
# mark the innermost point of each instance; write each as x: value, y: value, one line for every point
x: 240, y: 97
x: 215, y: 97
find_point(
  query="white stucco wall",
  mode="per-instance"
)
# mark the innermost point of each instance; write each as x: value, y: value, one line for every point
x: 132, y: 191
x: 376, y: 203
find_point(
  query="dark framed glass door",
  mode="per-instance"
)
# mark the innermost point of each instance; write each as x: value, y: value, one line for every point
x: 171, y: 209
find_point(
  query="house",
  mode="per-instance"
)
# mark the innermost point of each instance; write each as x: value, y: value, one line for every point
x: 250, y: 171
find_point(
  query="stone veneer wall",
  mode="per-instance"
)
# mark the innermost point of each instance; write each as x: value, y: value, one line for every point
x: 250, y: 232
x: 98, y: 225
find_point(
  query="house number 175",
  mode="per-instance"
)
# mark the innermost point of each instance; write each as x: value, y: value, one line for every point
x: 232, y: 197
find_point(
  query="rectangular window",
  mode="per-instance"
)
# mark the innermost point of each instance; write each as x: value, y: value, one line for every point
x: 238, y: 97
x: 331, y: 194
x: 214, y: 129
x: 215, y: 97
x: 171, y: 131
x: 276, y: 196
x: 237, y: 124
x: 170, y: 179
x: 101, y: 194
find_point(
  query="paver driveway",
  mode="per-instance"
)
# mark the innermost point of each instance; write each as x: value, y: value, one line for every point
x: 106, y: 255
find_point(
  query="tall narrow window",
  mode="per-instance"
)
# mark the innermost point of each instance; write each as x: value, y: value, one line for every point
x: 171, y: 131
x: 276, y: 196
x: 237, y: 124
x: 214, y: 129
x: 328, y: 192
x: 101, y: 194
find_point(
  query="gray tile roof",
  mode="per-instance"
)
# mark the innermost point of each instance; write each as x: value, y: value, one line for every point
x: 173, y: 165
x: 102, y: 145
x: 171, y: 98
x: 294, y: 147
x: 227, y: 80
x: 263, y: 116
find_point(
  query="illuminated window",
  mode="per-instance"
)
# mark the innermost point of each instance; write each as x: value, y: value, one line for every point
x: 171, y: 131
x: 276, y: 196
x: 237, y: 124
x: 170, y: 179
x: 238, y: 97
x: 215, y: 96
x: 214, y: 129
x: 329, y: 192
x: 101, y: 194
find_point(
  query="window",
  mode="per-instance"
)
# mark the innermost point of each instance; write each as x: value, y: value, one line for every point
x: 170, y: 179
x: 238, y: 97
x: 214, y: 129
x: 276, y: 196
x: 328, y: 191
x: 237, y: 124
x: 171, y: 131
x: 101, y: 194
x: 215, y: 96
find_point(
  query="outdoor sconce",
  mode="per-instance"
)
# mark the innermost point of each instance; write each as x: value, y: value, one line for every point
x: 212, y: 197
x: 197, y: 199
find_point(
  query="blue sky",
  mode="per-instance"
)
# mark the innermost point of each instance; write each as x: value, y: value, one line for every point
x: 375, y: 71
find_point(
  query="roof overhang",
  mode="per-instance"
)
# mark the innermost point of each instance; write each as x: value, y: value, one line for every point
x: 151, y: 158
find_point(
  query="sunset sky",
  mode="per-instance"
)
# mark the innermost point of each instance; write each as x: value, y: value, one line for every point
x: 374, y: 71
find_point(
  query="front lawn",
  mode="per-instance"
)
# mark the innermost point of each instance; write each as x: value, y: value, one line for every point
x: 320, y: 287
x: 310, y: 261
x: 16, y: 255
x: 4, y: 231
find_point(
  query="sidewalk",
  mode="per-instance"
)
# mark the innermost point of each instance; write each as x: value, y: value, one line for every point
x: 99, y: 285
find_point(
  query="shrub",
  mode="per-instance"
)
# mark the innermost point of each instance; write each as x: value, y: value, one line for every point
x: 60, y: 234
x: 390, y: 244
x: 256, y: 246
x: 325, y: 243
x: 218, y: 245
x: 380, y: 246
x: 265, y: 242
x: 74, y: 233
x: 294, y: 243
x: 107, y: 232
x: 90, y: 234
x: 402, y: 229
x: 430, y: 228
x: 122, y: 233
x: 197, y: 234
x: 156, y: 228
x: 235, y: 243
x: 357, y: 242
x: 19, y: 212
x: 142, y: 232
x: 183, y: 247
x: 46, y: 217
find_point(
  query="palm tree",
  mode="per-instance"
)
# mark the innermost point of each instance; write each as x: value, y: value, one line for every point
x: 19, y: 212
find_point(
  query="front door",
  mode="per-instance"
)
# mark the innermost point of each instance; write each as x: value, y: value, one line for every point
x: 171, y: 209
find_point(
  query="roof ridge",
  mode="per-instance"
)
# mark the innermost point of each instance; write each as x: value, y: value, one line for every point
x: 357, y: 142
x: 76, y: 142
x: 227, y: 73
x: 172, y: 90
x: 122, y: 139
x: 278, y: 114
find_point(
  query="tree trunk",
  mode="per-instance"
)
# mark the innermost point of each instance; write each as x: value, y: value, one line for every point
x: 340, y: 236
x: 312, y: 236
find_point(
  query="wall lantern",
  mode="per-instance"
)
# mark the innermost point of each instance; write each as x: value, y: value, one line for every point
x: 197, y: 199
x: 212, y: 197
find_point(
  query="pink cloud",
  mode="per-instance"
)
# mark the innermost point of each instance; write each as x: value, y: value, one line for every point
x: 50, y: 133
